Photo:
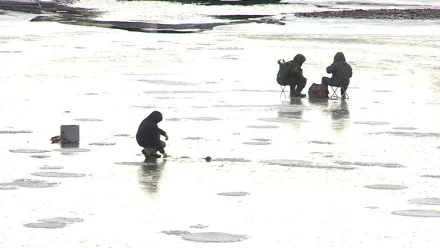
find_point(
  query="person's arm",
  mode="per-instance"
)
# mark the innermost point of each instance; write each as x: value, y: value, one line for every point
x: 331, y: 68
x: 296, y: 70
x: 163, y: 133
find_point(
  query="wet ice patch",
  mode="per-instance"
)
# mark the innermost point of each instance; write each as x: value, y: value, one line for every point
x: 379, y: 164
x: 385, y: 186
x: 263, y: 126
x: 87, y: 119
x: 29, y: 183
x: 28, y: 151
x: 426, y: 201
x: 122, y: 135
x: 202, y: 119
x: 40, y: 156
x: 234, y: 193
x: 57, y: 222
x: 57, y: 174
x: 214, y: 237
x: 176, y: 232
x: 432, y: 176
x: 240, y: 160
x: 14, y: 131
x: 193, y: 138
x: 283, y: 120
x: 374, y: 123
x: 383, y: 91
x: 46, y: 167
x: 103, y: 144
x: 404, y: 128
x: 48, y: 225
x: 258, y: 143
x: 321, y: 142
x: 412, y: 134
x: 199, y: 226
x: 8, y: 187
x: 305, y: 164
x: 418, y: 213
x: 131, y: 163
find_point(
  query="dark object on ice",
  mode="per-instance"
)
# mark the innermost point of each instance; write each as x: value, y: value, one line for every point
x: 30, y: 7
x: 318, y: 91
x: 55, y: 139
x: 208, y: 159
x: 341, y: 73
x: 148, y: 135
x: 296, y: 79
x: 391, y: 14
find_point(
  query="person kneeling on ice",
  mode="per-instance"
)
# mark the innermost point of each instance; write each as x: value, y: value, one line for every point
x: 341, y: 73
x: 296, y: 79
x: 148, y: 136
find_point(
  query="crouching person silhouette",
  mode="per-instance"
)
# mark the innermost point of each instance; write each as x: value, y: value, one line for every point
x: 148, y: 136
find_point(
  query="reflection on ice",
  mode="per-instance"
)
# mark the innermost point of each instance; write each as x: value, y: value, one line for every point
x: 46, y: 167
x: 57, y: 222
x: 40, y: 156
x: 412, y: 134
x: 29, y: 183
x: 57, y: 174
x: 103, y: 144
x: 200, y: 226
x: 263, y: 126
x: 233, y: 193
x: 176, y: 232
x: 305, y: 164
x: 28, y: 151
x: 371, y: 122
x: 432, y: 176
x: 405, y: 128
x: 241, y: 160
x: 14, y: 131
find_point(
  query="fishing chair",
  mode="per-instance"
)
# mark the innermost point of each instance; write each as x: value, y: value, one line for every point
x: 282, y: 91
x: 334, y: 94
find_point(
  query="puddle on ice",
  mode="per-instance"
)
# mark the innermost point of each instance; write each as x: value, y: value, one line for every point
x: 200, y: 226
x: 46, y: 167
x: 28, y: 151
x: 305, y: 164
x: 405, y: 128
x: 214, y: 237
x: 40, y: 156
x: 234, y: 193
x: 418, y: 213
x: 57, y: 222
x: 240, y: 160
x: 263, y: 126
x: 321, y: 142
x: 176, y: 232
x: 103, y: 144
x: 432, y: 176
x: 385, y: 186
x: 57, y: 174
x: 87, y: 119
x: 14, y: 131
x: 379, y: 164
x: 29, y: 183
x: 426, y: 201
x: 371, y: 122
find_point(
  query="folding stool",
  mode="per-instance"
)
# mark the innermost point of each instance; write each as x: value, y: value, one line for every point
x: 334, y: 95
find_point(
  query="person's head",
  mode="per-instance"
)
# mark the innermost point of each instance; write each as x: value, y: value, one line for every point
x: 339, y: 57
x: 299, y: 59
x: 156, y: 116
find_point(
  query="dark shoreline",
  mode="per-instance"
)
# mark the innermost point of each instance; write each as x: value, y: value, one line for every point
x: 381, y: 14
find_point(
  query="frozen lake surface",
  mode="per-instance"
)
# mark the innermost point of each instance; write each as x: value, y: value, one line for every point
x: 284, y: 172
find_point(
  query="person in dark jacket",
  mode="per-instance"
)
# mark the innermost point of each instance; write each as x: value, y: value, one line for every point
x: 148, y: 136
x: 341, y: 73
x: 297, y: 79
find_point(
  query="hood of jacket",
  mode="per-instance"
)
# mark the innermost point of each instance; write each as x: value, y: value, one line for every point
x: 339, y: 57
x: 299, y: 59
x: 155, y: 117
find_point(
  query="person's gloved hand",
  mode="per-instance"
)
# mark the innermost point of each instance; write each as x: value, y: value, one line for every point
x: 166, y: 136
x: 165, y: 155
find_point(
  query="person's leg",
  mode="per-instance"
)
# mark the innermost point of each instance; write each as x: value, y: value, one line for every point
x: 301, y: 84
x: 326, y: 80
x: 292, y: 89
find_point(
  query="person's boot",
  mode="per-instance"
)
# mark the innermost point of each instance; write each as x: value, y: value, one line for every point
x: 298, y: 92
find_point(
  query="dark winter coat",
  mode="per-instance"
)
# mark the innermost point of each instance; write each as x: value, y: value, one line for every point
x: 296, y: 73
x: 148, y: 134
x: 341, y: 70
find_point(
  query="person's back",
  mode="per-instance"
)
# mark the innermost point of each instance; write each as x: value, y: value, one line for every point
x: 148, y: 135
x: 340, y: 69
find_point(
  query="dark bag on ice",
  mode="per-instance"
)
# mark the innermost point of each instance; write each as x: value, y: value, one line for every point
x: 318, y: 91
x: 283, y: 72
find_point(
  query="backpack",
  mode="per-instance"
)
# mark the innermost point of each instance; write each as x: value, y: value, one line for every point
x: 318, y: 91
x: 283, y: 72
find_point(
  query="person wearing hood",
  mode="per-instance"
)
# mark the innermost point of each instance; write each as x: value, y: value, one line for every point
x: 341, y: 73
x: 148, y: 136
x: 296, y: 77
